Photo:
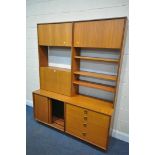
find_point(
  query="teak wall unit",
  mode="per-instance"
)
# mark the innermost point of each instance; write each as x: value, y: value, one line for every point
x: 58, y: 103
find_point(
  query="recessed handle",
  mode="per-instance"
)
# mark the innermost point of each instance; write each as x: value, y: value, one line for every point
x: 85, y: 118
x: 85, y: 124
x: 84, y: 133
x: 85, y: 112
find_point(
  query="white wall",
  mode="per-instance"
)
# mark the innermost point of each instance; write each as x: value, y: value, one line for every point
x: 43, y: 11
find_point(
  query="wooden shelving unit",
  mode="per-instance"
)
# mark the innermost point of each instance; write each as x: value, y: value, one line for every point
x: 58, y: 103
x: 97, y: 59
x: 96, y: 86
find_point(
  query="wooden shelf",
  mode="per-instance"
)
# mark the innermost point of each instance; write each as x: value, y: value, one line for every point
x: 97, y: 59
x: 96, y: 75
x: 97, y: 105
x: 58, y: 121
x: 96, y: 86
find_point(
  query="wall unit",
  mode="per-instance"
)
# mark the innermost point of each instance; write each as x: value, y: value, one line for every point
x: 58, y: 102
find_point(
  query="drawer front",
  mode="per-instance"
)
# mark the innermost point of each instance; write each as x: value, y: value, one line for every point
x: 41, y: 108
x: 55, y: 80
x: 75, y: 121
x: 87, y: 125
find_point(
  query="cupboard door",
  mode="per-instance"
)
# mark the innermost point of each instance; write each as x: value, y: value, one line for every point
x: 41, y: 108
x: 99, y: 34
x: 62, y: 34
x: 98, y: 129
x: 45, y: 34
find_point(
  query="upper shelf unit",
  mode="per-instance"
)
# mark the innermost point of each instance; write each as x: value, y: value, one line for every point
x: 55, y: 34
x: 99, y: 34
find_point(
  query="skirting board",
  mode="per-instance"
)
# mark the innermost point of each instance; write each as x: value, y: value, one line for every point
x: 116, y: 134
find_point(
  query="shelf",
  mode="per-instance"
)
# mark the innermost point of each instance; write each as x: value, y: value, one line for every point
x: 57, y: 126
x: 96, y: 86
x: 97, y: 105
x: 97, y: 59
x: 58, y: 121
x: 97, y: 75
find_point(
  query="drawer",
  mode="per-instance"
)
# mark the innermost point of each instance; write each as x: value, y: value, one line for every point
x: 76, y: 124
x: 87, y: 125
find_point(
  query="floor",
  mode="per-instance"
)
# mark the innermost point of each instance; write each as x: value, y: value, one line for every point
x: 42, y: 140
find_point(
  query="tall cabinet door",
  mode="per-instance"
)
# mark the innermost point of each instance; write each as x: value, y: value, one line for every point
x: 99, y: 34
x: 41, y: 107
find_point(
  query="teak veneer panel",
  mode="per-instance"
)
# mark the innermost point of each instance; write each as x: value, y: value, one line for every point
x: 56, y: 80
x: 90, y: 126
x: 45, y: 34
x: 55, y: 34
x: 99, y: 34
x: 100, y: 106
x: 96, y: 86
x: 41, y: 108
x: 97, y: 59
x: 96, y: 75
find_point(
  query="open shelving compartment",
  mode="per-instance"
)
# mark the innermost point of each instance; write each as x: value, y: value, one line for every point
x: 56, y: 116
x: 101, y: 80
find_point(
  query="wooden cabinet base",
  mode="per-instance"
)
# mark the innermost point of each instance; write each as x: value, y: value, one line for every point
x: 83, y: 123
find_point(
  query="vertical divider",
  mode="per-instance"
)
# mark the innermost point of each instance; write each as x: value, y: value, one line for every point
x: 49, y: 111
x: 75, y: 65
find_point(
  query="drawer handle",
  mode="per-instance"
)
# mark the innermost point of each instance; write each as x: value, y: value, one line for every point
x: 85, y: 124
x: 84, y: 133
x: 85, y: 118
x: 85, y: 112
